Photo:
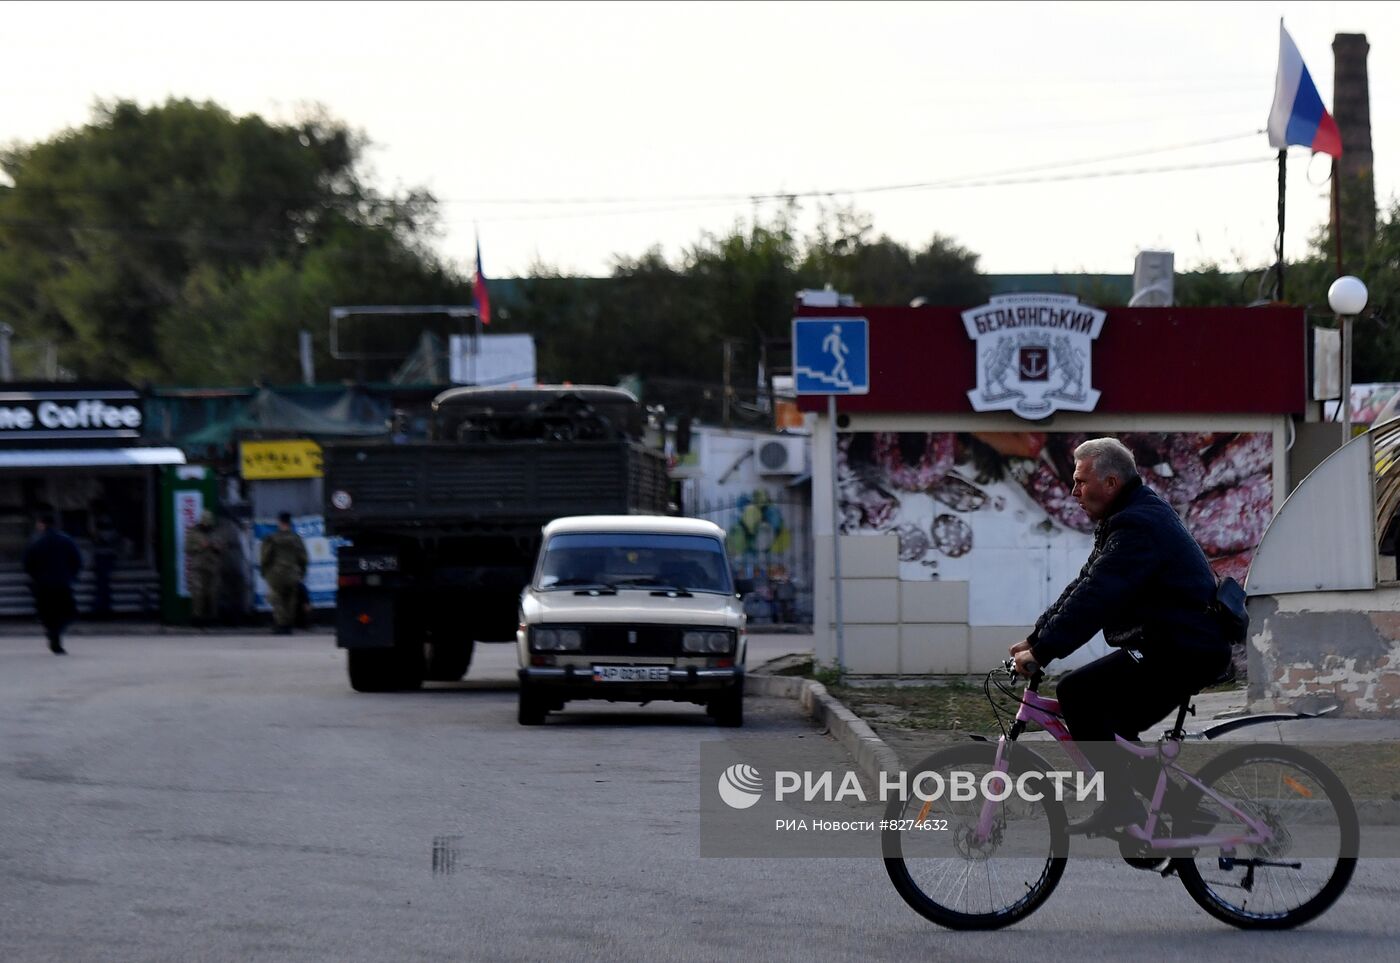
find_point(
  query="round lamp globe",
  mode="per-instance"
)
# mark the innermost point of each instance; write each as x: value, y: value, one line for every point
x: 1347, y: 295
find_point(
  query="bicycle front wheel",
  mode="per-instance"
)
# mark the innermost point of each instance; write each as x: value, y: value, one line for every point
x: 955, y: 874
x: 1307, y: 864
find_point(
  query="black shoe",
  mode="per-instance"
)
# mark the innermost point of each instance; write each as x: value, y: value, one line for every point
x: 1190, y: 813
x: 282, y: 630
x: 57, y: 648
x: 1113, y: 815
x: 1196, y: 822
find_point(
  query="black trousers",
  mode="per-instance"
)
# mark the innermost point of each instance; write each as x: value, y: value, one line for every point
x: 1120, y: 696
x: 56, y: 609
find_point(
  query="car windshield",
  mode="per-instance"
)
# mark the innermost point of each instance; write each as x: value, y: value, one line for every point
x: 642, y: 560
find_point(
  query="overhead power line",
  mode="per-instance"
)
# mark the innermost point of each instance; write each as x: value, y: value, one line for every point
x: 992, y: 181
x: 827, y: 192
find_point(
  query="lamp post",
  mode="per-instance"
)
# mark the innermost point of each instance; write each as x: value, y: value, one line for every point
x: 1347, y: 297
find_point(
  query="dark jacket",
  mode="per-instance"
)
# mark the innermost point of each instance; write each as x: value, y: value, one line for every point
x: 1147, y: 586
x: 52, y: 560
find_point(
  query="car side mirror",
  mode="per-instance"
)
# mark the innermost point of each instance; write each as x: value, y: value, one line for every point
x: 743, y: 586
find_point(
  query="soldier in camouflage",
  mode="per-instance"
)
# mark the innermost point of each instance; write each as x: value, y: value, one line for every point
x: 205, y: 552
x: 283, y: 565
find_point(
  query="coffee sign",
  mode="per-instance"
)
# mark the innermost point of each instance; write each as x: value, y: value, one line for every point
x: 39, y: 415
x: 1034, y: 354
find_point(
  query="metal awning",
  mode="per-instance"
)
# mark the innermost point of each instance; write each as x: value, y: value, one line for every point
x: 89, y: 457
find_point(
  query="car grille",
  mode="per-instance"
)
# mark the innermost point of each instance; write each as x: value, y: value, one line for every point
x: 649, y: 640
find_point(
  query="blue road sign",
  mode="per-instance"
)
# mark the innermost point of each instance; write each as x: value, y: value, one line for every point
x: 831, y: 356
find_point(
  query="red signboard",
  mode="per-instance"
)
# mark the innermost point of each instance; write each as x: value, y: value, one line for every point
x: 1145, y: 361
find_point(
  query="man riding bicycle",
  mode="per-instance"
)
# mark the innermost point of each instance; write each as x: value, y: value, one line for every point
x: 1148, y: 587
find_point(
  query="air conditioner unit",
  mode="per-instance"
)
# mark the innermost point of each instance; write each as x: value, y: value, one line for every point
x: 780, y: 456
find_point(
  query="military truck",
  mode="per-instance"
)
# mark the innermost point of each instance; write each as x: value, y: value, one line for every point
x: 443, y: 533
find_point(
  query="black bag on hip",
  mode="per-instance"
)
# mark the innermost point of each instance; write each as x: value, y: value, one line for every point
x: 1230, y: 611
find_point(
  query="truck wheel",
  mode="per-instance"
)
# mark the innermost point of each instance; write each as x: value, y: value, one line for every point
x: 371, y: 670
x: 728, y: 709
x: 532, y: 708
x: 409, y: 666
x: 448, y: 661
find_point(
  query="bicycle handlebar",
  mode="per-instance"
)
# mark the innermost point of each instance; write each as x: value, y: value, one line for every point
x: 1032, y: 684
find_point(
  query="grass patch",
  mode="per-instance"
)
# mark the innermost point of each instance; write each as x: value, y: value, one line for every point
x: 956, y: 704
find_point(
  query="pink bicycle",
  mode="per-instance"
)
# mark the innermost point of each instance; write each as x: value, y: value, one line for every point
x: 1267, y: 837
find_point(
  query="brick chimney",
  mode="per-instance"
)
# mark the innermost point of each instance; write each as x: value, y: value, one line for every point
x: 1352, y: 109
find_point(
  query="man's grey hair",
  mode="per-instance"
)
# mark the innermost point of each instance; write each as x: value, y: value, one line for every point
x: 1108, y: 456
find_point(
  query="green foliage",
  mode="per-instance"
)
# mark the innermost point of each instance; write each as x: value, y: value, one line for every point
x: 180, y: 242
x: 883, y: 271
x: 1209, y: 285
x: 670, y: 320
x: 1376, y: 355
x: 827, y: 673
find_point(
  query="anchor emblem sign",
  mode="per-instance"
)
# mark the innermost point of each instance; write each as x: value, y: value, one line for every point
x: 1034, y: 354
x: 1035, y: 363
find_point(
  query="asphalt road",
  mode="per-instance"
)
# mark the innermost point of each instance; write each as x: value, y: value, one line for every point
x: 213, y: 797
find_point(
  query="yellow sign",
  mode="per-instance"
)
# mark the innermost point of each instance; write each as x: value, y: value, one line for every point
x: 298, y: 458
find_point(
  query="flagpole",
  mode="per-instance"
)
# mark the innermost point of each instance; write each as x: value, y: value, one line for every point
x: 476, y: 348
x: 476, y: 297
x: 1282, y: 187
x: 1337, y: 217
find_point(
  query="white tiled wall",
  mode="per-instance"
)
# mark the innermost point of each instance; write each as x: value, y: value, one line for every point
x: 987, y: 644
x: 932, y: 648
x: 891, y: 626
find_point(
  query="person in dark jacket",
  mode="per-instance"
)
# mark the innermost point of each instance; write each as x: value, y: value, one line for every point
x: 52, y: 562
x: 1148, y: 587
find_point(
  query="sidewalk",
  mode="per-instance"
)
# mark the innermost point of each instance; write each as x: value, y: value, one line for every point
x: 12, y: 627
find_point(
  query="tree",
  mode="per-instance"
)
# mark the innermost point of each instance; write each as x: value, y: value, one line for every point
x: 1376, y: 354
x: 1209, y: 285
x: 884, y: 271
x: 669, y: 322
x: 182, y: 242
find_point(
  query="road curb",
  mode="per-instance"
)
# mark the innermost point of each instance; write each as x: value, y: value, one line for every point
x: 871, y: 753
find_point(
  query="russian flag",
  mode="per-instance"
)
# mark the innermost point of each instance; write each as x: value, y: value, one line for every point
x: 480, y: 299
x: 1298, y: 116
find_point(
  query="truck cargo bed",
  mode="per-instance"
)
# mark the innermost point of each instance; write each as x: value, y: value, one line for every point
x: 445, y: 484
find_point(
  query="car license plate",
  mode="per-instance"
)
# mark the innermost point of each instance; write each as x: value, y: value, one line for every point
x: 631, y: 673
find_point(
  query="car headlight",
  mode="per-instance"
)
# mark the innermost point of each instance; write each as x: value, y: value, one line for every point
x: 558, y: 640
x: 707, y: 641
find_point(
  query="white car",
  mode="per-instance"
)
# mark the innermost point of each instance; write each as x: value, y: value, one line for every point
x: 632, y: 608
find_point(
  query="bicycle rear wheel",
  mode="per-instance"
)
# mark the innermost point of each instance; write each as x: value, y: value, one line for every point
x: 1301, y: 872
x: 940, y: 867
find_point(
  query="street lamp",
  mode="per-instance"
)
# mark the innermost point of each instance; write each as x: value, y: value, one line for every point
x: 1347, y: 297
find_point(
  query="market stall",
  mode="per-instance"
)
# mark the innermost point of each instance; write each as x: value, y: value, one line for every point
x: 953, y: 470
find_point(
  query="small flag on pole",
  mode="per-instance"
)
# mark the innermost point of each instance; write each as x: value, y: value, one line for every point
x: 480, y: 299
x: 1298, y: 116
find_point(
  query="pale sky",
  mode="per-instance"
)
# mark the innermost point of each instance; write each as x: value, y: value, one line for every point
x: 681, y: 112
